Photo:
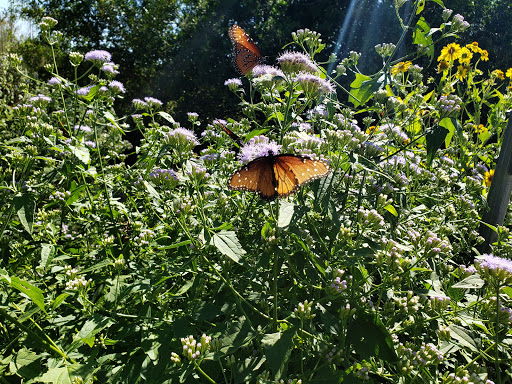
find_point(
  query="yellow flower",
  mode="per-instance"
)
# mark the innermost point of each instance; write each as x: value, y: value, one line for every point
x: 450, y: 53
x: 498, y: 73
x: 474, y: 47
x: 488, y: 177
x: 462, y: 72
x: 465, y: 56
x: 443, y: 66
x: 402, y: 66
x: 371, y: 129
x: 480, y: 129
x: 509, y: 73
x: 484, y: 55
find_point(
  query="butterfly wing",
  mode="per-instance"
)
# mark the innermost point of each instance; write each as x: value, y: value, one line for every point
x: 292, y: 172
x: 246, y: 54
x: 256, y: 176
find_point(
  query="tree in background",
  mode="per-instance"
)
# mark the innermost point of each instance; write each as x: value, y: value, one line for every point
x: 179, y: 51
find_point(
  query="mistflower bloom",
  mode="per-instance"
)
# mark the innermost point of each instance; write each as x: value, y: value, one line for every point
x: 90, y: 143
x: 459, y: 24
x: 234, y: 84
x: 449, y: 103
x: 314, y: 85
x: 318, y: 111
x: 83, y: 128
x: 139, y: 104
x: 117, y: 86
x: 446, y: 14
x: 166, y: 177
x: 40, y: 99
x: 292, y: 62
x: 54, y: 81
x: 84, y: 91
x: 372, y: 149
x: 110, y: 68
x: 258, y: 146
x: 403, y: 66
x: 153, y: 102
x: 450, y: 53
x: 267, y: 74
x: 303, y: 310
x: 488, y: 176
x: 385, y: 49
x: 98, y: 56
x: 181, y: 137
x: 495, y: 267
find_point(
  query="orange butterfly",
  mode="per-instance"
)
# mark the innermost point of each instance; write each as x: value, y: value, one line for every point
x: 276, y: 176
x: 246, y: 54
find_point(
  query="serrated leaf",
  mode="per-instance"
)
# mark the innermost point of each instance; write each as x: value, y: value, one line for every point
x: 34, y: 293
x: 463, y: 337
x: 92, y: 327
x: 47, y: 254
x: 56, y: 375
x: 472, y: 281
x: 25, y: 206
x: 228, y: 244
x: 421, y: 37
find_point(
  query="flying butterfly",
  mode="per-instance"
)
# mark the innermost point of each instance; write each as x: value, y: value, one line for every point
x: 246, y: 54
x: 276, y: 176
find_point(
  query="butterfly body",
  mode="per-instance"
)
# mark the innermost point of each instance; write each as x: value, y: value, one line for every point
x: 276, y: 176
x: 246, y: 54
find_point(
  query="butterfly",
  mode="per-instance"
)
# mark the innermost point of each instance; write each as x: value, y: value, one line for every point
x: 246, y: 54
x: 276, y: 176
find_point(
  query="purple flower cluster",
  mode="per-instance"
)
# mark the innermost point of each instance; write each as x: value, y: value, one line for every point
x: 54, y: 81
x: 258, y: 146
x: 449, y: 103
x: 110, y: 68
x: 98, y: 56
x: 495, y: 267
x: 395, y: 133
x: 269, y: 70
x: 117, y: 86
x: 40, y: 99
x: 233, y: 84
x: 292, y: 62
x: 314, y: 85
x: 181, y: 136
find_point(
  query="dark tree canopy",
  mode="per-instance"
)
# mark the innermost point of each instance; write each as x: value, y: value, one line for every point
x: 179, y: 51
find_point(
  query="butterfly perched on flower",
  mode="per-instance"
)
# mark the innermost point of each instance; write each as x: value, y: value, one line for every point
x: 246, y: 54
x: 273, y: 175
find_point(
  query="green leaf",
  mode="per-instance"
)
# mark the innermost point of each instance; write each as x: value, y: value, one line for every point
x: 93, y: 327
x: 228, y: 244
x: 463, y: 337
x: 56, y: 375
x: 472, y: 281
x: 34, y: 293
x: 152, y: 191
x: 167, y: 117
x: 27, y: 363
x: 435, y: 137
x: 363, y: 88
x: 286, y: 211
x: 25, y: 206
x: 421, y: 6
x: 451, y: 125
x: 47, y: 254
x: 278, y: 348
x: 110, y: 117
x: 371, y: 339
x: 421, y: 36
x: 391, y: 210
x: 81, y: 152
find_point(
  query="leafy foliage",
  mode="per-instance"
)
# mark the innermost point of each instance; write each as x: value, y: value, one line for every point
x: 156, y: 272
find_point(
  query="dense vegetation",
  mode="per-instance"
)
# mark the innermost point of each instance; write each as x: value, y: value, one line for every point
x: 154, y: 271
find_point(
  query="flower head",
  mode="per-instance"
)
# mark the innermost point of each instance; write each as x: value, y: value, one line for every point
x: 488, y: 176
x: 498, y: 73
x: 474, y: 47
x: 314, y: 85
x: 153, y: 102
x: 181, y: 137
x: 117, y: 86
x: 110, y: 68
x: 233, y: 84
x: 495, y: 267
x: 262, y: 70
x: 509, y: 73
x: 139, y: 104
x: 450, y: 53
x: 292, y: 62
x: 465, y: 56
x: 54, y: 81
x: 443, y: 66
x: 258, y: 146
x: 403, y: 66
x: 98, y: 56
x: 462, y: 72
